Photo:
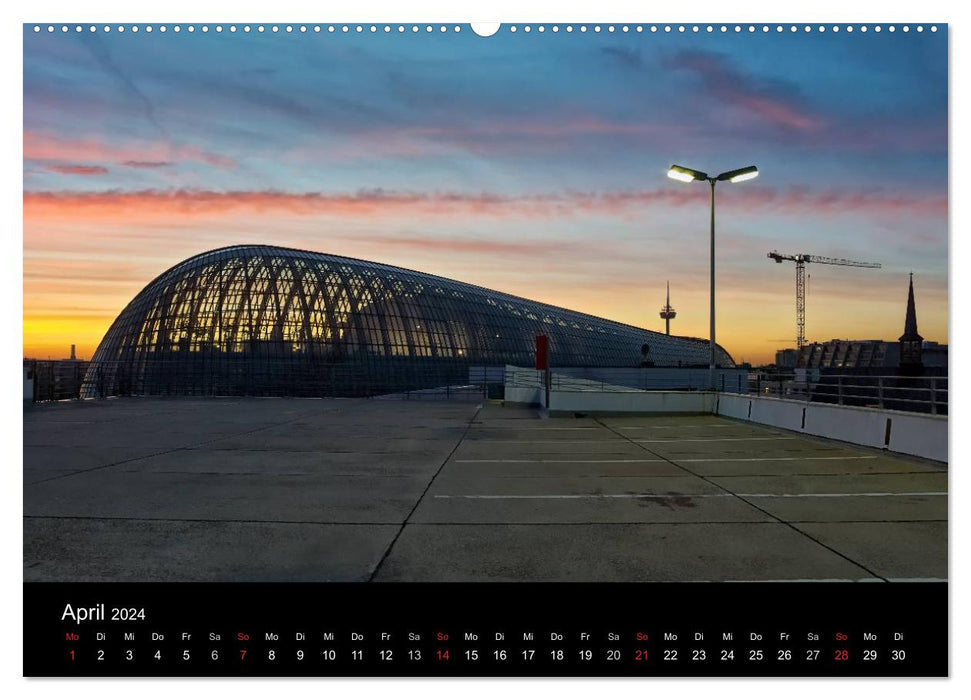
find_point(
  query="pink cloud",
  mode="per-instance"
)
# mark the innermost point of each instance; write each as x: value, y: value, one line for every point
x: 775, y: 101
x: 182, y: 203
x: 147, y: 163
x: 78, y: 169
x: 49, y: 147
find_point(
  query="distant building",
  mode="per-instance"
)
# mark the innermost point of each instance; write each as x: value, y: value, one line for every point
x: 910, y: 354
x: 849, y: 354
x: 934, y: 354
x: 786, y: 357
x: 264, y: 320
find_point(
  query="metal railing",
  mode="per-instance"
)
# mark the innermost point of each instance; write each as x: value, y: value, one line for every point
x: 55, y: 380
x: 60, y: 380
x: 628, y: 379
x: 892, y: 392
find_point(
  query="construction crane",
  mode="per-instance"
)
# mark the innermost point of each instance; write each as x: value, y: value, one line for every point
x: 801, y: 259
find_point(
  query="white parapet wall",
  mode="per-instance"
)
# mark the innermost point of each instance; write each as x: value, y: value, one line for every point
x: 734, y: 406
x: 907, y: 433
x: 631, y: 402
x: 916, y: 434
x: 526, y: 395
x: 648, y: 378
x: 863, y: 426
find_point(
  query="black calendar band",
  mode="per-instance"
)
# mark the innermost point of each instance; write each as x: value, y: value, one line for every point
x: 496, y: 629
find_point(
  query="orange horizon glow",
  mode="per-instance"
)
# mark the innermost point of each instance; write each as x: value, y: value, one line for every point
x: 746, y: 336
x: 87, y: 254
x: 138, y: 153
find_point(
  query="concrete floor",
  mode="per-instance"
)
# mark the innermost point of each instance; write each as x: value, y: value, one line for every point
x: 355, y: 490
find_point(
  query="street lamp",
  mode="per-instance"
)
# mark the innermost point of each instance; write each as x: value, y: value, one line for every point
x: 683, y: 174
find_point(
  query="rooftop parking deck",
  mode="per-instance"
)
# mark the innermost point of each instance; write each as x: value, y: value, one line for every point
x: 253, y: 489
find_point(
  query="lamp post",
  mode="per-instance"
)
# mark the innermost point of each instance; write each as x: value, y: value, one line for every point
x: 678, y: 172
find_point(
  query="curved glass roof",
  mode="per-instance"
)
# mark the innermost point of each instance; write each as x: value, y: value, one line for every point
x: 256, y: 319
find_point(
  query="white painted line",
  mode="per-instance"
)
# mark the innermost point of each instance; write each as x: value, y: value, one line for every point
x: 485, y: 440
x: 735, y: 439
x: 489, y: 497
x: 557, y: 461
x: 507, y: 427
x: 699, y: 426
x: 869, y: 579
x: 844, y: 495
x: 644, y: 461
x: 771, y: 459
x: 833, y: 580
x: 571, y: 496
x: 918, y: 580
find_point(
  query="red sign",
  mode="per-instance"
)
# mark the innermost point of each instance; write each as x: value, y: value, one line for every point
x: 542, y: 352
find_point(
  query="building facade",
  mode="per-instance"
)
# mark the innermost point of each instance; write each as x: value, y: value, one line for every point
x: 908, y: 355
x: 263, y: 320
x: 849, y: 354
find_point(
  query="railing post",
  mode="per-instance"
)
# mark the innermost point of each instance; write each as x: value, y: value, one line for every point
x: 933, y: 396
x: 880, y: 391
x: 839, y: 389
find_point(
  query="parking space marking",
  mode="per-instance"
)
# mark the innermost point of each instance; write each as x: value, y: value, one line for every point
x: 731, y: 439
x: 693, y: 495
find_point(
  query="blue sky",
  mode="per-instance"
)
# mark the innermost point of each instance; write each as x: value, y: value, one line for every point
x: 531, y: 163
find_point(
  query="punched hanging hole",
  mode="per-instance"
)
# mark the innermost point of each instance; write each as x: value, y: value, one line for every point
x: 485, y: 28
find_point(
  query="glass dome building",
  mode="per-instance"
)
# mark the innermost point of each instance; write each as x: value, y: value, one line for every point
x: 264, y: 320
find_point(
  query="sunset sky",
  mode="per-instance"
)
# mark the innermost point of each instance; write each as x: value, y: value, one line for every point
x: 532, y: 164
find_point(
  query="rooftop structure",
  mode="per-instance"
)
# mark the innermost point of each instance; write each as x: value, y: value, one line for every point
x: 355, y: 490
x: 264, y: 320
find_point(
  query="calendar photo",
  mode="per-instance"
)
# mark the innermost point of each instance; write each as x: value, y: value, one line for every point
x: 485, y: 305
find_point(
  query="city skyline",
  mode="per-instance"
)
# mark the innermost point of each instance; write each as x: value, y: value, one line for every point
x: 529, y: 164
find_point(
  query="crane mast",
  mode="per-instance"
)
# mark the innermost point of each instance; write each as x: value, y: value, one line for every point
x: 801, y: 259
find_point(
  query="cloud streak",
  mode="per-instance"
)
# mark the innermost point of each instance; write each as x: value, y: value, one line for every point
x: 78, y: 169
x: 45, y: 147
x: 200, y: 204
x: 775, y: 101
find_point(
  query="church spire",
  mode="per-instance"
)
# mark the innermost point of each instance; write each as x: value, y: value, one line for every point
x: 911, y: 343
x: 910, y: 324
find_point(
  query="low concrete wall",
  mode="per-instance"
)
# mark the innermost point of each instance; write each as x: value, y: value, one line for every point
x: 910, y: 433
x: 919, y: 435
x: 733, y: 406
x: 527, y: 395
x: 631, y: 402
x: 778, y: 414
x: 863, y: 426
x: 651, y: 378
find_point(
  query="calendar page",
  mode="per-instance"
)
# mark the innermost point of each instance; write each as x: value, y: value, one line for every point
x: 448, y: 349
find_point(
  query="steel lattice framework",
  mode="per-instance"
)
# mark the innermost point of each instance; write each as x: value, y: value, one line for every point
x: 801, y: 259
x: 263, y: 320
